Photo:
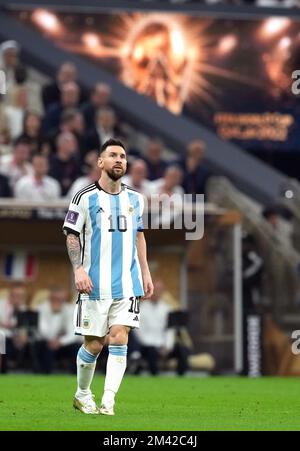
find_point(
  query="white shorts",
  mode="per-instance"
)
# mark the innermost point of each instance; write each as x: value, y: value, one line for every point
x: 96, y: 317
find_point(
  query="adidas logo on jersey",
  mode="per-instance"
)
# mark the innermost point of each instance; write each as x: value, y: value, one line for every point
x: 136, y: 318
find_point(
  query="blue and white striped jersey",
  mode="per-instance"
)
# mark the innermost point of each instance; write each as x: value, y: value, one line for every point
x: 107, y: 225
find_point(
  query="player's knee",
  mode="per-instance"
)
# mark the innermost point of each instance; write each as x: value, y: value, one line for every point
x: 118, y: 336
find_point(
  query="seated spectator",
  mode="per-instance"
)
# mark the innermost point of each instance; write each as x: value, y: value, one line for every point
x: 106, y: 128
x: 15, y: 111
x: 9, y: 63
x: 55, y: 335
x: 167, y: 197
x: 69, y: 98
x: 16, y: 340
x: 38, y: 186
x: 64, y: 165
x: 155, y: 164
x: 25, y: 94
x: 16, y: 165
x: 156, y: 340
x: 170, y: 183
x: 66, y: 73
x: 21, y: 92
x: 136, y: 177
x: 71, y: 121
x: 195, y: 172
x: 32, y: 132
x: 100, y: 98
x: 93, y: 173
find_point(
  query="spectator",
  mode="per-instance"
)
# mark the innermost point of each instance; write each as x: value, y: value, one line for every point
x: 32, y: 131
x: 16, y: 165
x: 38, y: 186
x: 155, y: 164
x: 170, y: 183
x: 51, y: 93
x: 100, y: 98
x: 64, y: 164
x: 157, y: 341
x: 56, y: 337
x: 71, y: 121
x: 16, y: 341
x: 170, y: 195
x: 136, y: 177
x: 93, y: 174
x: 195, y: 173
x: 69, y: 98
x: 9, y: 63
x: 106, y: 128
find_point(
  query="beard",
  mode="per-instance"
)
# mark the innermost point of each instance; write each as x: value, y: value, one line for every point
x: 115, y: 175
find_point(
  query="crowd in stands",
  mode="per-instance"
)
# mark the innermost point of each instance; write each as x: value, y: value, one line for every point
x: 39, y: 334
x: 50, y: 138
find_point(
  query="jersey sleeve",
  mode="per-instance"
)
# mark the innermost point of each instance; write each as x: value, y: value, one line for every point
x: 75, y: 217
x: 140, y: 225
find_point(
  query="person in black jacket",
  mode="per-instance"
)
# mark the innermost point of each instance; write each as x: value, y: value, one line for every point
x: 5, y: 190
x: 51, y: 93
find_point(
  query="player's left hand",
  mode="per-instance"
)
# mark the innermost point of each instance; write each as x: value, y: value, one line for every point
x: 148, y: 286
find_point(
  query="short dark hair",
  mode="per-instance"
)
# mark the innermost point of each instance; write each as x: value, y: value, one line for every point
x: 111, y: 142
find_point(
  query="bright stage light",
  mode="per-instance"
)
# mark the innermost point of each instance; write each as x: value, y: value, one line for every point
x: 46, y: 20
x: 227, y: 44
x: 91, y: 40
x: 274, y: 25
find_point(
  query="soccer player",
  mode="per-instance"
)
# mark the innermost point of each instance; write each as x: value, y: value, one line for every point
x: 107, y: 249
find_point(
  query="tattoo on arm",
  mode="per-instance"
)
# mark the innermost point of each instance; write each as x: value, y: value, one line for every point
x: 73, y: 246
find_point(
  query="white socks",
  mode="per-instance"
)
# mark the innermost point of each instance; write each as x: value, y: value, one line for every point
x: 86, y: 364
x: 115, y: 369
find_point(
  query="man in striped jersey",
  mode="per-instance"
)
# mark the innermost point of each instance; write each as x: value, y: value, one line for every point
x: 107, y: 249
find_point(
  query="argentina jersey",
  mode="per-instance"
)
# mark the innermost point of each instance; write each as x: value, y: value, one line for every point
x: 108, y: 225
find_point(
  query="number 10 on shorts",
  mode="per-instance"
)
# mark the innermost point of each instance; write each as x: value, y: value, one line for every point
x: 135, y: 305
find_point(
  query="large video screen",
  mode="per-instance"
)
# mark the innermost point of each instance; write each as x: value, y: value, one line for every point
x: 232, y: 75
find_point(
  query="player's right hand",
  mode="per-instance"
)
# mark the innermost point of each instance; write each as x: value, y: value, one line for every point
x: 83, y: 282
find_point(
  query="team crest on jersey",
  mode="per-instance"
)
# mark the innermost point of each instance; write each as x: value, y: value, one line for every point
x: 130, y: 209
x: 86, y: 323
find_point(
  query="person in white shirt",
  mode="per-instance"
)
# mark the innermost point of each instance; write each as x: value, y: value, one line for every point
x: 92, y: 176
x: 38, y: 186
x: 55, y: 335
x: 170, y: 196
x: 170, y: 183
x: 17, y: 165
x: 9, y: 62
x: 137, y: 177
x: 155, y: 338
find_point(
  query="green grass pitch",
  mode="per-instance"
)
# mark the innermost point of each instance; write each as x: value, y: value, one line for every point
x: 29, y: 402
